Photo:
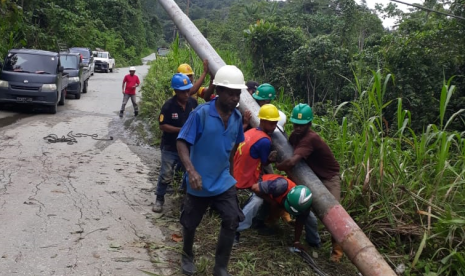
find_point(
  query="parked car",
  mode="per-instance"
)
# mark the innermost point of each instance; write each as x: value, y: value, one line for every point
x: 87, y: 57
x: 77, y: 72
x: 103, y: 61
x: 163, y: 51
x: 33, y: 77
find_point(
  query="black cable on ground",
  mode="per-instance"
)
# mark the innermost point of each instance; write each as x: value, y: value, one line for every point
x: 309, y: 260
x: 70, y: 138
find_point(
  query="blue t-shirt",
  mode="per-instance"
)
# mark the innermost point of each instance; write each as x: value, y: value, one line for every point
x: 261, y: 149
x: 210, y: 147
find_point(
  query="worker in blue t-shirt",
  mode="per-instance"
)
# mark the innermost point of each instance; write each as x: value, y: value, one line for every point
x: 206, y: 145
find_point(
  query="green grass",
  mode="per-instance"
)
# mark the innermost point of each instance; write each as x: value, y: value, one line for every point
x: 255, y: 255
x: 405, y: 189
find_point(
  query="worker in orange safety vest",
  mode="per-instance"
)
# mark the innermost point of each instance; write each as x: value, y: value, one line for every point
x: 251, y: 156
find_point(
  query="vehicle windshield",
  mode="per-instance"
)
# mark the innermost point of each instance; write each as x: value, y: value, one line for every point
x: 69, y: 62
x: 30, y: 63
x: 102, y: 55
x: 84, y: 52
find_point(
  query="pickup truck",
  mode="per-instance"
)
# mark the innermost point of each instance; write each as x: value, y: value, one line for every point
x: 103, y: 61
x: 87, y: 58
x: 33, y: 77
x: 77, y: 71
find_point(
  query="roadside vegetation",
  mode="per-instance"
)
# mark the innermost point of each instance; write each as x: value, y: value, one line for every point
x: 390, y: 103
x: 127, y: 29
x: 402, y: 184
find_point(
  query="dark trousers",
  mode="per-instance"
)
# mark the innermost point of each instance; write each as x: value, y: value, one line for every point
x: 170, y: 164
x: 126, y: 99
x: 226, y: 204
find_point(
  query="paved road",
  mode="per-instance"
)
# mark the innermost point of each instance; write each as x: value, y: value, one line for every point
x: 75, y: 209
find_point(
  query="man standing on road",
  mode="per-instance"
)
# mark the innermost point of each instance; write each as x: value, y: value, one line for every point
x: 206, y: 145
x: 130, y: 82
x: 309, y: 146
x: 173, y: 115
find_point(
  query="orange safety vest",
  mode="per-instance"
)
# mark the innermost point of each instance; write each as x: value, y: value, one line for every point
x: 246, y: 168
x: 290, y: 185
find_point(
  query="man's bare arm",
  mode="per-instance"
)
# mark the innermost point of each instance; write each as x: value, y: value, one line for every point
x: 289, y: 163
x: 207, y: 95
x: 195, y: 180
x: 199, y: 82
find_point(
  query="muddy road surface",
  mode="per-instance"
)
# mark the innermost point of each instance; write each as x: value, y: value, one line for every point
x: 80, y: 209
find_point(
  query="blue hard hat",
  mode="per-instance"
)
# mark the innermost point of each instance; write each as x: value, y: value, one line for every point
x: 180, y: 82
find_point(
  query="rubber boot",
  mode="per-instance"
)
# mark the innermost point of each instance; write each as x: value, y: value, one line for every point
x: 237, y: 238
x: 187, y: 258
x: 158, y: 206
x: 136, y: 111
x: 337, y: 252
x: 223, y: 252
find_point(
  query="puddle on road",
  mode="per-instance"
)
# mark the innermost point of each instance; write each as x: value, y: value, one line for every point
x: 13, y: 119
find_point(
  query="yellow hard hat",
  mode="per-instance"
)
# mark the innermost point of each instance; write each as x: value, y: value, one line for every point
x: 269, y: 112
x: 185, y: 69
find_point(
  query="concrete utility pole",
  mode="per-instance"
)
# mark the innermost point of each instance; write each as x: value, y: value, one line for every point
x: 355, y: 243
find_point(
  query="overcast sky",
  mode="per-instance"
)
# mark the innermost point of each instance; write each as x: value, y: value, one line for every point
x: 389, y: 21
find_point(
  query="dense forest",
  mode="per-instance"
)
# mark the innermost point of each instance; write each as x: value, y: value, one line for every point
x: 320, y: 50
x: 317, y: 50
x: 128, y: 29
x: 313, y: 49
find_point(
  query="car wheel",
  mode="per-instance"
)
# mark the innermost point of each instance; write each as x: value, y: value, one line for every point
x: 78, y: 95
x: 84, y: 89
x: 52, y: 109
x: 111, y: 70
x: 63, y: 97
x: 106, y: 70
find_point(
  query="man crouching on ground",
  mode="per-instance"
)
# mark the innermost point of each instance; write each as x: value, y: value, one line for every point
x: 206, y: 145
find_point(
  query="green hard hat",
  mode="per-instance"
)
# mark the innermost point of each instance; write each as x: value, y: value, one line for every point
x: 298, y: 200
x: 302, y: 114
x: 265, y: 91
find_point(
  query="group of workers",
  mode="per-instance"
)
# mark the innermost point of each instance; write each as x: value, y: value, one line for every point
x: 219, y: 152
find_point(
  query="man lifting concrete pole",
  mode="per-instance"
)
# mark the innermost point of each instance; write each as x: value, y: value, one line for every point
x: 342, y: 227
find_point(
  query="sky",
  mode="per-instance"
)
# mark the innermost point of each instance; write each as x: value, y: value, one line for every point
x: 388, y: 22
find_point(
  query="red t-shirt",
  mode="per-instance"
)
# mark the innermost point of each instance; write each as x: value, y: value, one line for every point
x: 316, y: 154
x: 130, y: 81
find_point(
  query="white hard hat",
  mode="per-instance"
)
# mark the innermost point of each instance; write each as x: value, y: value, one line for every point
x: 231, y: 77
x: 282, y: 119
x: 132, y: 68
